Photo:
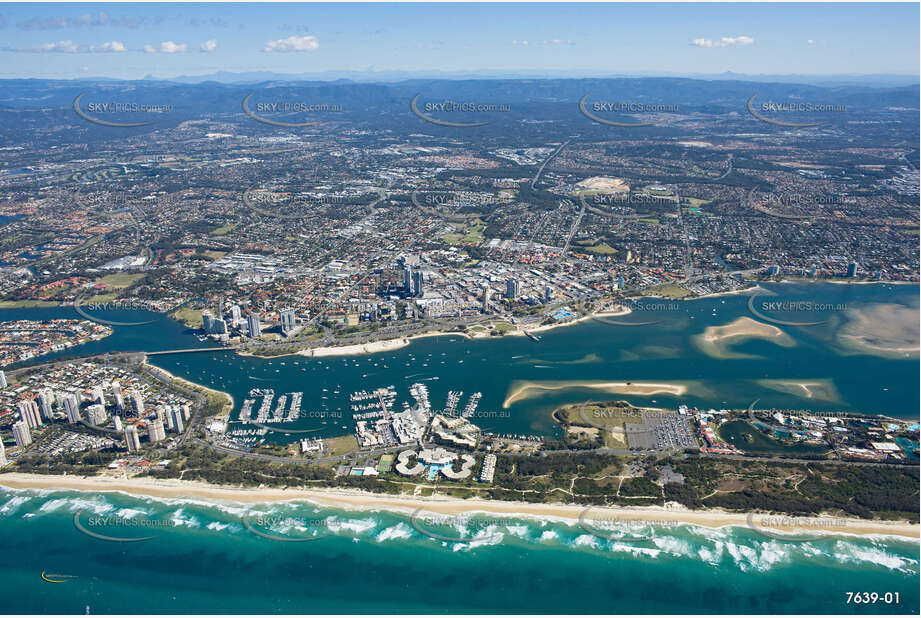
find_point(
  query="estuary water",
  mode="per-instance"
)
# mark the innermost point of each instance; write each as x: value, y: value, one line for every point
x: 845, y: 352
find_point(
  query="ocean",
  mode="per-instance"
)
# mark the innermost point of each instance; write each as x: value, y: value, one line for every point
x: 205, y: 558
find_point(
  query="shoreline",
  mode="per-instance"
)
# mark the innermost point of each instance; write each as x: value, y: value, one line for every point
x: 195, y: 386
x: 388, y: 345
x: 845, y: 282
x: 364, y: 501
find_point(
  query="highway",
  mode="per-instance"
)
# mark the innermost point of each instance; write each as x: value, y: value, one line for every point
x: 540, y: 170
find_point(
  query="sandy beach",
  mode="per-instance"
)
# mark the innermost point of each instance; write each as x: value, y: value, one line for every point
x: 528, y: 390
x: 228, y: 407
x: 359, y: 348
x: 746, y: 328
x: 354, y: 499
x: 715, y: 341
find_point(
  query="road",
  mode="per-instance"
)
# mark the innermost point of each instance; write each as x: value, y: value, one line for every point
x: 540, y: 170
x: 299, y: 460
x: 572, y: 232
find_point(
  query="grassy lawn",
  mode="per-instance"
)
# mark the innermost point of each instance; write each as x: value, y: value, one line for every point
x: 274, y: 449
x: 214, y: 255
x: 188, y: 316
x: 21, y: 304
x: 224, y: 229
x: 119, y: 281
x: 341, y: 445
x: 309, y: 335
x: 609, y: 417
x: 670, y: 290
x: 103, y: 298
x: 595, y: 246
x: 503, y: 326
x: 471, y: 234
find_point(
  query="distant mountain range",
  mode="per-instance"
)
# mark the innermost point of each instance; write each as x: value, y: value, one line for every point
x: 878, y: 81
x: 711, y: 95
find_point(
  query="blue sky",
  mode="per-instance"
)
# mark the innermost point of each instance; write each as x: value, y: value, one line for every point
x: 167, y: 40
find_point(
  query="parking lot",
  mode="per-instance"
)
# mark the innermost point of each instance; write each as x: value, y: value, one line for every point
x: 661, y: 431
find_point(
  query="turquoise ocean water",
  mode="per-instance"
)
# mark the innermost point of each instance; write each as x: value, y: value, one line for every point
x: 204, y: 559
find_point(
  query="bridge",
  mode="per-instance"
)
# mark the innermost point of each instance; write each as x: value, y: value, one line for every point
x: 222, y: 348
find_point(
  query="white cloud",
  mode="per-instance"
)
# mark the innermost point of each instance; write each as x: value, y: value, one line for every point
x: 557, y: 42
x: 726, y: 41
x: 522, y: 43
x: 292, y: 44
x: 69, y: 47
x: 810, y: 41
x: 66, y: 47
x: 209, y: 46
x: 149, y: 49
x: 168, y: 47
x: 111, y: 46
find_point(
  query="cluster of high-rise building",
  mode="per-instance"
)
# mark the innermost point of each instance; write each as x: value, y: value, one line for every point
x: 167, y: 418
x: 213, y: 325
x: 251, y: 326
x: 63, y: 395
